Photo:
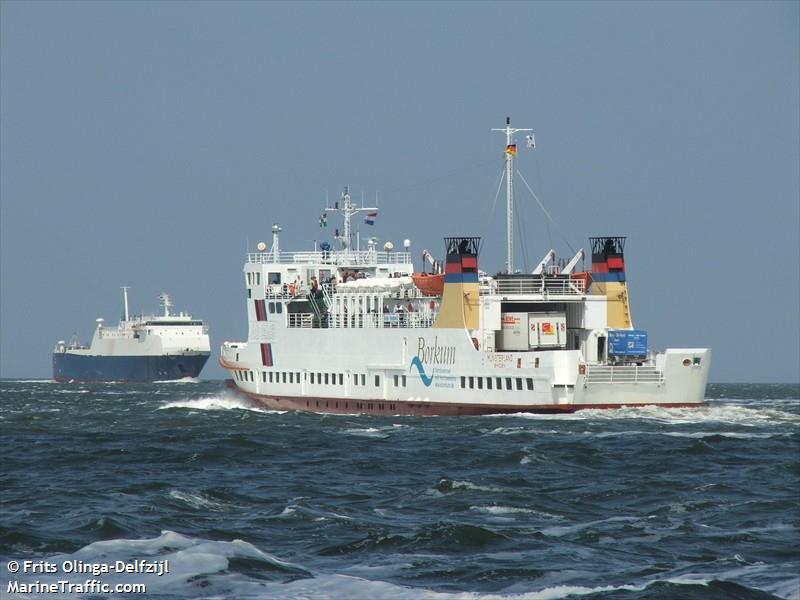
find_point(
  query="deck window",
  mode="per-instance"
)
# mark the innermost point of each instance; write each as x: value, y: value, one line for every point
x: 508, y: 383
x: 273, y: 278
x: 341, y: 378
x: 480, y: 382
x: 396, y: 380
x: 499, y: 382
x: 377, y: 380
x: 519, y: 383
x: 326, y: 379
x: 363, y: 380
x: 284, y: 377
x: 529, y: 384
x: 471, y: 382
x: 488, y: 383
x: 404, y: 381
x: 355, y: 378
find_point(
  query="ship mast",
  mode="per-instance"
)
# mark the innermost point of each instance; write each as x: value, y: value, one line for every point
x: 511, y: 151
x: 348, y: 209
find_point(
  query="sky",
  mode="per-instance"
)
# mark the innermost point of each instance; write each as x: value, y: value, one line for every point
x: 150, y: 144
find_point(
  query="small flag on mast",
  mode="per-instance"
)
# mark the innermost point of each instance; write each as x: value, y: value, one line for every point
x: 511, y: 149
x: 370, y: 218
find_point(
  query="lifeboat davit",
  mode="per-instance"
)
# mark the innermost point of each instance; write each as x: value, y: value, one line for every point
x: 430, y: 284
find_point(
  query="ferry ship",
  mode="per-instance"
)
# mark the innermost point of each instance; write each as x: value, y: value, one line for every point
x: 348, y: 330
x: 142, y: 348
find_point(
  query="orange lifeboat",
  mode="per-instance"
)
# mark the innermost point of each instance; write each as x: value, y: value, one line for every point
x: 430, y: 284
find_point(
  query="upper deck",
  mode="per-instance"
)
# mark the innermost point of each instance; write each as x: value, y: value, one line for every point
x: 362, y: 258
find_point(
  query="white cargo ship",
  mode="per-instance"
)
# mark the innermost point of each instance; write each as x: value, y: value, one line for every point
x: 348, y: 330
x: 142, y: 348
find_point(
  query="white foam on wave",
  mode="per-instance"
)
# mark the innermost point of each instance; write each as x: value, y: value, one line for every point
x: 196, y: 500
x: 182, y: 380
x: 369, y: 432
x: 223, y: 402
x: 726, y: 413
x: 511, y: 510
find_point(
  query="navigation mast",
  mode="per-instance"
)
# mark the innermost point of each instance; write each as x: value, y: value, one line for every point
x: 348, y: 209
x: 511, y: 151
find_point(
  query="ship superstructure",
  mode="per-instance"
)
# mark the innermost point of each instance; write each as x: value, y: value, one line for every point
x: 349, y: 331
x: 159, y: 347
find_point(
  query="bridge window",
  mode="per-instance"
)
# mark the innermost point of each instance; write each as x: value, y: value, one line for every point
x: 529, y: 383
x: 273, y: 278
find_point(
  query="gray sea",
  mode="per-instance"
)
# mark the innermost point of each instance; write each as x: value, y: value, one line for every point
x: 242, y: 502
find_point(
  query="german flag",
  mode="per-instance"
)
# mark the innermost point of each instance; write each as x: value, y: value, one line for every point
x: 511, y: 149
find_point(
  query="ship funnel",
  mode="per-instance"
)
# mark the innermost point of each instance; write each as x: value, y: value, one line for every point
x: 608, y: 277
x: 460, y: 297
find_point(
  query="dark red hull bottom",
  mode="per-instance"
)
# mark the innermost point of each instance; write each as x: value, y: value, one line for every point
x: 427, y: 409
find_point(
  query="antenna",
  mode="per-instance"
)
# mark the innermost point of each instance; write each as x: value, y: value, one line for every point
x: 510, y: 152
x: 347, y: 209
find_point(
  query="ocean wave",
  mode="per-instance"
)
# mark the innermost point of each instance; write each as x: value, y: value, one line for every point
x: 182, y: 380
x: 726, y: 413
x: 196, y: 500
x: 218, y: 403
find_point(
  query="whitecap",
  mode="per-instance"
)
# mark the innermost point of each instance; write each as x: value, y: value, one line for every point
x: 197, y: 501
x: 218, y: 403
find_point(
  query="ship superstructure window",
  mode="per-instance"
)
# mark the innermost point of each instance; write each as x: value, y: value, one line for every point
x: 341, y: 378
x: 264, y: 376
x: 488, y: 383
x: 499, y: 382
x: 326, y: 379
x: 284, y: 377
x: 396, y: 378
x: 404, y: 381
x: 471, y: 383
x: 480, y: 382
x: 274, y: 278
x: 355, y: 379
x: 297, y: 375
x: 463, y: 382
x: 508, y: 383
x: 258, y: 278
x: 377, y: 380
x: 529, y: 383
x: 363, y: 380
x: 291, y: 377
x: 519, y: 383
x: 312, y: 378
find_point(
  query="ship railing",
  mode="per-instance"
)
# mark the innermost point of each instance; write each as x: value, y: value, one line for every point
x: 361, y: 321
x: 538, y: 286
x: 301, y: 320
x: 623, y: 374
x: 343, y: 257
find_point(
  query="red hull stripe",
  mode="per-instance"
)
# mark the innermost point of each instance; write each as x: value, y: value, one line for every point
x: 266, y: 355
x: 411, y: 408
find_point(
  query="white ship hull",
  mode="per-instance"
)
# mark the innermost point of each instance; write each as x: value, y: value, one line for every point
x: 393, y: 384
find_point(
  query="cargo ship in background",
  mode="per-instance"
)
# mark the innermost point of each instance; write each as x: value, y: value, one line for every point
x: 140, y: 349
x: 348, y: 330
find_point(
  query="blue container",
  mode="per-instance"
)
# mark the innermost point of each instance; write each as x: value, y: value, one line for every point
x: 627, y: 342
